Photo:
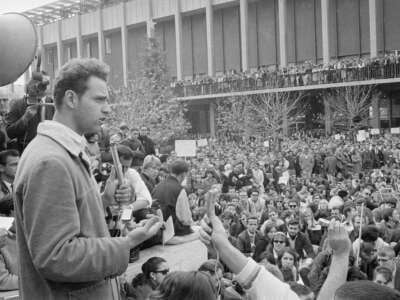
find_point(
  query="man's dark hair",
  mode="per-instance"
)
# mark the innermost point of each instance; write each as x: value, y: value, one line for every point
x: 7, y: 153
x: 74, y: 75
x: 370, y: 233
x: 179, y: 167
x: 211, y: 266
x: 299, y: 289
x: 365, y: 290
x: 125, y: 152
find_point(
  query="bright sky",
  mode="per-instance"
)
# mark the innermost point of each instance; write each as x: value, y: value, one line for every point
x: 20, y: 5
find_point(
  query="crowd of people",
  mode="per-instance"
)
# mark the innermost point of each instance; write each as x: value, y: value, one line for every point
x: 308, y: 73
x: 299, y: 217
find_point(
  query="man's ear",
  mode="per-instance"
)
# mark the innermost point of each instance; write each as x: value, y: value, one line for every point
x: 70, y: 99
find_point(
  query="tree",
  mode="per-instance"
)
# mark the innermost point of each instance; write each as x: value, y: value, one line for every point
x: 235, y: 117
x: 275, y: 112
x: 259, y: 114
x: 348, y: 103
x: 148, y: 100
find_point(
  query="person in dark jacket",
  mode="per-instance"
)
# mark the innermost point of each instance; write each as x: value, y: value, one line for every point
x: 26, y: 113
x: 166, y: 195
x: 298, y: 240
x: 148, y: 144
x: 247, y: 240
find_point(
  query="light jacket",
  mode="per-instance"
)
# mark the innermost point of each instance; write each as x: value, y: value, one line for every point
x: 65, y: 250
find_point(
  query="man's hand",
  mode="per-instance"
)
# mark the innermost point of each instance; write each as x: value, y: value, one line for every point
x: 31, y: 111
x: 141, y: 234
x: 212, y: 231
x: 338, y: 238
x: 114, y: 194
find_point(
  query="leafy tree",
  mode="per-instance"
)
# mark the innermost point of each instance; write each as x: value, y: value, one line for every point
x: 148, y: 100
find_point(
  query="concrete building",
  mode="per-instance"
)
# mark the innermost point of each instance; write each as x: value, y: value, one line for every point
x: 213, y: 36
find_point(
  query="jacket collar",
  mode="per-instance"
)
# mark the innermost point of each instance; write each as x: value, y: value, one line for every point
x: 65, y: 136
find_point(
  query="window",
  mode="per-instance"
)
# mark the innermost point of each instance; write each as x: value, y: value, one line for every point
x: 88, y: 49
x: 69, y: 52
x: 108, y: 45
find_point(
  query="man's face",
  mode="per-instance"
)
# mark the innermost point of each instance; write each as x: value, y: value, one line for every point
x: 380, y: 279
x: 385, y: 261
x: 254, y: 196
x: 11, y: 166
x: 92, y: 108
x: 252, y: 225
x: 293, y: 230
x: 143, y: 131
x: 126, y: 164
x: 292, y: 206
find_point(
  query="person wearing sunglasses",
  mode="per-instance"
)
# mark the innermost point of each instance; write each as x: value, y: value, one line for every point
x: 154, y: 270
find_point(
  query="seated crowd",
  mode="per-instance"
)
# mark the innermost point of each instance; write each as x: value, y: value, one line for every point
x: 312, y: 218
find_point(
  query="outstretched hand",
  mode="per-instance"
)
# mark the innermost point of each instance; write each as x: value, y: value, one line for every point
x: 212, y: 231
x: 338, y: 238
x: 143, y: 233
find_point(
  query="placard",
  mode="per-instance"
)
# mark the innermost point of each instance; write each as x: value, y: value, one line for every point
x: 361, y: 136
x: 202, y: 143
x: 395, y: 130
x: 168, y: 232
x: 6, y: 222
x: 266, y: 144
x: 185, y: 148
x: 375, y: 131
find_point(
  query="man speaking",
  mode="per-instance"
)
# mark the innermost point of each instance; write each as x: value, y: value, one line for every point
x: 65, y: 250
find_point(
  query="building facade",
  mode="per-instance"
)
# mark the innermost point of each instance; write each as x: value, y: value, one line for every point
x: 210, y: 37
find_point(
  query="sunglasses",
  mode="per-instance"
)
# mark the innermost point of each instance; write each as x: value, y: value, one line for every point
x: 164, y: 272
x: 280, y: 242
x: 292, y: 206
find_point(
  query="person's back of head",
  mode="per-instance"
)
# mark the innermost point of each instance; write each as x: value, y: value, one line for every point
x: 194, y: 285
x: 179, y: 167
x: 301, y: 290
x: 365, y: 290
x: 370, y: 233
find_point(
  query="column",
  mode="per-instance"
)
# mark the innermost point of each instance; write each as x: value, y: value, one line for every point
x: 328, y: 117
x: 178, y: 38
x: 59, y: 45
x: 39, y: 30
x: 244, y: 33
x: 212, y: 119
x: 210, y: 38
x: 124, y: 41
x: 150, y: 24
x: 325, y: 30
x: 373, y: 29
x: 100, y: 34
x: 285, y: 121
x: 375, y: 120
x: 282, y: 9
x: 79, y: 35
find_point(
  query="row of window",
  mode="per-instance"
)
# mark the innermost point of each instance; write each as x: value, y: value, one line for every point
x: 51, y: 54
